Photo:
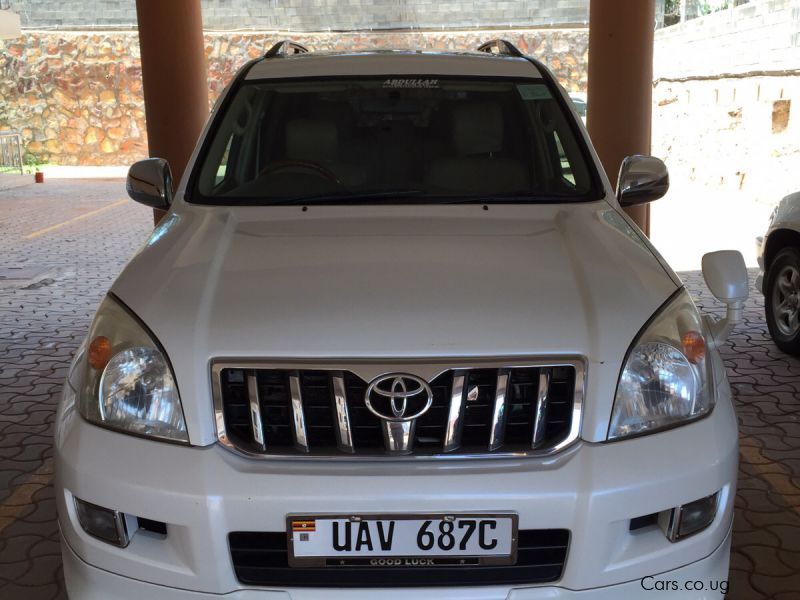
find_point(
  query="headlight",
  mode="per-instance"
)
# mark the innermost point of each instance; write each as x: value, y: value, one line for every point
x: 128, y: 382
x: 666, y: 379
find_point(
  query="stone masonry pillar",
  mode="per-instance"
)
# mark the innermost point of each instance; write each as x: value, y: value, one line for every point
x: 620, y: 86
x: 175, y: 79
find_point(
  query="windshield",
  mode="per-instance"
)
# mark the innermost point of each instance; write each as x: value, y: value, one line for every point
x: 396, y: 140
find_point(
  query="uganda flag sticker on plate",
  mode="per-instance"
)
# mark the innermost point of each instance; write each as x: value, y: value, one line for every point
x: 304, y: 526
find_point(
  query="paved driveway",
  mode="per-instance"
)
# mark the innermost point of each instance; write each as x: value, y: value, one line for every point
x: 62, y: 244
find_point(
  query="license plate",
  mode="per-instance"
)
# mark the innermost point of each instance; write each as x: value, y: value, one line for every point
x: 408, y: 540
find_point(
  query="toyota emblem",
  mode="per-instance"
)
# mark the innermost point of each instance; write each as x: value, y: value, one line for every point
x: 398, y: 397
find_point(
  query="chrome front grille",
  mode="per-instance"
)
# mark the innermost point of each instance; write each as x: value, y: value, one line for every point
x: 275, y: 410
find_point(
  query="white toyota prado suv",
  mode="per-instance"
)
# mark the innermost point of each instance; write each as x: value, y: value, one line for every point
x: 396, y: 338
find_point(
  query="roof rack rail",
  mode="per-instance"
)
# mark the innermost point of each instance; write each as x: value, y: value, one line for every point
x: 502, y: 46
x: 286, y: 47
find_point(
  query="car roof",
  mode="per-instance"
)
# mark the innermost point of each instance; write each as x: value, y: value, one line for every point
x: 393, y: 62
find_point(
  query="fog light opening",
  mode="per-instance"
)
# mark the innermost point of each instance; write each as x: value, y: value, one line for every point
x: 689, y: 519
x: 102, y: 523
x: 158, y: 528
x: 638, y: 523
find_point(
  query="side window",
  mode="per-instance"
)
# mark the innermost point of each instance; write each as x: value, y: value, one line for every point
x: 561, y: 161
x: 222, y: 168
x: 230, y: 158
x: 566, y: 167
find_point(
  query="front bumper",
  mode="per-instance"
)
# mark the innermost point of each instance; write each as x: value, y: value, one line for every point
x: 593, y: 490
x: 705, y: 579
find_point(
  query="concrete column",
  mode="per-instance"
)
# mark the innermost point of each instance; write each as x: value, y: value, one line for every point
x: 620, y: 87
x: 175, y: 79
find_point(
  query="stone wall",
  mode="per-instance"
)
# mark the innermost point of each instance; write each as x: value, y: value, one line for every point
x: 726, y: 119
x: 76, y: 98
x: 314, y: 15
x: 726, y: 99
x: 760, y: 35
x: 735, y: 134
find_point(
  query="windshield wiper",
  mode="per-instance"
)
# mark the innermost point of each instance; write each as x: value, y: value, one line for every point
x: 346, y: 197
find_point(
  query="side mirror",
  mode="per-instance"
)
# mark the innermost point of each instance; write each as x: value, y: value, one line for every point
x: 726, y: 276
x: 641, y: 179
x: 150, y: 182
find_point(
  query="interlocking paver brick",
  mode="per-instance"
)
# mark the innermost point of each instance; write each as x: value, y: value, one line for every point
x: 42, y: 323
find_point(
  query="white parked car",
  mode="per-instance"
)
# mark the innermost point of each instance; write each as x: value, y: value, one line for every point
x: 396, y: 338
x: 779, y: 278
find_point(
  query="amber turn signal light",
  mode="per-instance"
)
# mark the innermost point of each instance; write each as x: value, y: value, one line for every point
x: 694, y: 346
x: 99, y: 352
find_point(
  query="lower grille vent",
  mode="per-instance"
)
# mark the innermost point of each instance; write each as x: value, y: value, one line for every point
x: 262, y: 559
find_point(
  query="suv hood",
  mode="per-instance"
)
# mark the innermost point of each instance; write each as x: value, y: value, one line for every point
x: 394, y: 282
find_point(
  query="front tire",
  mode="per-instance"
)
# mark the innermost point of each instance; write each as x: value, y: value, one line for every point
x: 782, y: 300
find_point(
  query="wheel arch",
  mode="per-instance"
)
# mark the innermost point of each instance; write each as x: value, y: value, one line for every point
x: 777, y: 241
